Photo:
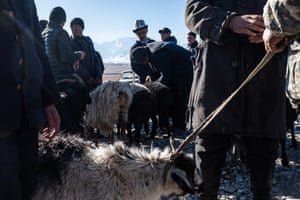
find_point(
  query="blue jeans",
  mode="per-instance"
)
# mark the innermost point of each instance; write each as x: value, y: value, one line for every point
x: 18, y: 163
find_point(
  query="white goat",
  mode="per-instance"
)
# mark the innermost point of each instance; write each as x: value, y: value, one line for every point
x: 71, y: 168
x: 110, y: 105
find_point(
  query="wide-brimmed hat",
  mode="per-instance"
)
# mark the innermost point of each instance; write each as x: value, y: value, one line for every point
x: 139, y: 24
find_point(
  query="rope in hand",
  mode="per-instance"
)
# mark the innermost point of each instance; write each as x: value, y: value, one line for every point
x: 215, y: 113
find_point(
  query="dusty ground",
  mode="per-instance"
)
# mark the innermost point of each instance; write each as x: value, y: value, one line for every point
x: 112, y: 71
x: 235, y: 183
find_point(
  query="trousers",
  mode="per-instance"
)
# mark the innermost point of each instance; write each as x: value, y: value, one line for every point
x: 18, y: 163
x: 260, y: 155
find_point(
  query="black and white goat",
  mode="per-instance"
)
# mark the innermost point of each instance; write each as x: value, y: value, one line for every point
x: 71, y: 168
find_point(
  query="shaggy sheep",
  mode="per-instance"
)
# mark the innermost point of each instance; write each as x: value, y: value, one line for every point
x: 110, y: 105
x: 71, y: 168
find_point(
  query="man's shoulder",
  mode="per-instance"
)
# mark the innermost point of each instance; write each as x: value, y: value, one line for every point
x: 88, y: 39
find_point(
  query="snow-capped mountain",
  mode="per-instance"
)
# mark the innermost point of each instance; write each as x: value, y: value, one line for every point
x: 116, y: 51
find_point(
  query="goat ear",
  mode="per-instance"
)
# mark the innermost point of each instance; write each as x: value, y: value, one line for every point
x: 181, y: 179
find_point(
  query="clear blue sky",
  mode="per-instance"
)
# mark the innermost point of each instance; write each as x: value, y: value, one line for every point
x: 107, y: 20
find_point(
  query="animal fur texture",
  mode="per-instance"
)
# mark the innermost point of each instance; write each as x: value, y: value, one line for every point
x: 110, y: 102
x: 71, y: 168
x: 110, y: 105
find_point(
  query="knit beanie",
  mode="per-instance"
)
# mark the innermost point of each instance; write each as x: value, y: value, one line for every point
x: 58, y: 15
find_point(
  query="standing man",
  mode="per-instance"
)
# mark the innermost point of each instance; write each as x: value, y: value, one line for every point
x: 58, y: 46
x: 65, y: 63
x: 174, y: 65
x: 141, y: 30
x: 91, y: 67
x: 28, y: 97
x: 282, y: 20
x: 192, y: 42
x: 165, y: 35
x: 230, y: 47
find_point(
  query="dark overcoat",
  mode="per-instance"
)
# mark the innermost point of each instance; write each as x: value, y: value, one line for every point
x: 174, y: 62
x: 143, y: 70
x: 92, y: 65
x: 224, y: 60
x: 26, y: 80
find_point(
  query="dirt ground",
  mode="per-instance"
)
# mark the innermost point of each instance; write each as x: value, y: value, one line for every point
x: 235, y: 182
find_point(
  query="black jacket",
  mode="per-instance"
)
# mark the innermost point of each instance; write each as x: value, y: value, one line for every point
x: 141, y: 69
x: 223, y: 61
x: 58, y: 48
x: 173, y: 62
x: 26, y: 79
x: 92, y: 65
x: 171, y: 39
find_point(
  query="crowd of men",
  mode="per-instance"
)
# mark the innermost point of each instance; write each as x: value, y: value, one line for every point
x: 233, y: 39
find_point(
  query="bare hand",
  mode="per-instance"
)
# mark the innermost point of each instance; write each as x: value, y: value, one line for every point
x: 274, y: 44
x: 53, y: 122
x: 256, y: 39
x: 76, y: 66
x: 250, y: 25
x: 82, y: 55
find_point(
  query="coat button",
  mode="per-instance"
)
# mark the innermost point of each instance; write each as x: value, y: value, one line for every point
x: 20, y: 61
x: 19, y: 86
x: 234, y: 63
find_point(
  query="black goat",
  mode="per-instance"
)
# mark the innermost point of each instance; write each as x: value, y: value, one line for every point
x: 143, y: 108
x: 164, y: 99
x: 74, y: 98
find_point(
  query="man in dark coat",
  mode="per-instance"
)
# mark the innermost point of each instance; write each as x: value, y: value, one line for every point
x: 173, y: 64
x: 58, y: 46
x: 141, y: 30
x: 28, y: 96
x: 229, y: 49
x: 91, y: 67
x: 64, y: 63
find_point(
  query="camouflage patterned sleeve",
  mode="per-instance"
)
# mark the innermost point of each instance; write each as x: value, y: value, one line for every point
x: 282, y: 17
